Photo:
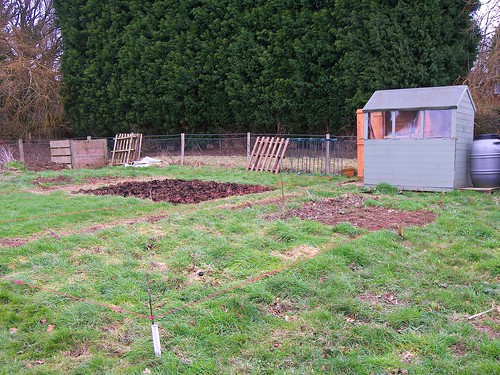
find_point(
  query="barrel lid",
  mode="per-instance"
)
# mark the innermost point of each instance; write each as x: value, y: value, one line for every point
x: 487, y: 136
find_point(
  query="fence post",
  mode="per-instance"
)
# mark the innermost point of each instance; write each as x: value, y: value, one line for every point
x: 183, y: 144
x: 360, y: 142
x: 21, y: 150
x: 249, y: 144
x: 327, y: 161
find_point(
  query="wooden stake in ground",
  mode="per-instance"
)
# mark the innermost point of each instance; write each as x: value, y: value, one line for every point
x: 154, y: 327
x: 400, y: 231
x: 282, y: 188
x: 482, y: 313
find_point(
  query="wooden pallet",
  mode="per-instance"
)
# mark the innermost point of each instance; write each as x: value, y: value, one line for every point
x: 126, y: 148
x: 267, y: 154
x: 489, y: 190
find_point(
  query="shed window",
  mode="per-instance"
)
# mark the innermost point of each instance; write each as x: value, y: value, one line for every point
x: 425, y: 124
x: 379, y: 125
x: 407, y: 124
x: 437, y: 123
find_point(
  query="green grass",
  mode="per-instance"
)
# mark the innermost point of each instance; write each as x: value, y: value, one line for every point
x: 365, y: 302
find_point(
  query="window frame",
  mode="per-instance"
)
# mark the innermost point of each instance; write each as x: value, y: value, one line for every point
x: 422, y: 124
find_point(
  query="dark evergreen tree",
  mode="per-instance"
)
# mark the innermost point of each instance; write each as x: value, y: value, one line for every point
x: 159, y: 66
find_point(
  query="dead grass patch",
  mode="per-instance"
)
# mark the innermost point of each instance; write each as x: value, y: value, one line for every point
x: 302, y: 251
x: 383, y: 299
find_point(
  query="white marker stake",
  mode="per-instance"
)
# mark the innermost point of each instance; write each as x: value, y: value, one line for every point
x: 156, y: 339
x: 154, y: 327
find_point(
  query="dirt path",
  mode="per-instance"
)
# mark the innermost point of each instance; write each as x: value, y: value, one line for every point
x: 15, y: 242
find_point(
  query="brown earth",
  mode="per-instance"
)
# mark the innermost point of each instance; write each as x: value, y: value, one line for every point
x: 346, y: 208
x: 351, y: 208
x: 177, y: 191
x: 44, y: 181
x: 37, y: 166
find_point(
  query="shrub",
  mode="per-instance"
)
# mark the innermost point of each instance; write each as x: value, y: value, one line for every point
x: 6, y: 155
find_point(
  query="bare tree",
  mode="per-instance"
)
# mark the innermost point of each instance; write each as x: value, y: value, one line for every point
x: 30, y: 46
x: 484, y: 78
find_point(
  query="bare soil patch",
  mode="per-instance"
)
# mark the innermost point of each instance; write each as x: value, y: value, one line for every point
x: 488, y: 325
x: 13, y: 242
x: 177, y: 191
x: 37, y: 166
x: 352, y: 209
x: 284, y: 309
x: 459, y: 349
x: 61, y: 183
x: 45, y: 181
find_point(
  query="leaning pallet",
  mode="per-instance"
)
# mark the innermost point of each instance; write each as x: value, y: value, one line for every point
x: 126, y: 148
x: 267, y: 154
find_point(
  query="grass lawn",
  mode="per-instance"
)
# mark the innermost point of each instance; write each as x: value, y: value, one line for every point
x: 235, y: 292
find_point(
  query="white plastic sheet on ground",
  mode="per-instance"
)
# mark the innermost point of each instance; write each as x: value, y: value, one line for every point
x: 146, y: 162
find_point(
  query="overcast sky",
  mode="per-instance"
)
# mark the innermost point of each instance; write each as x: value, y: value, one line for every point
x: 489, y: 14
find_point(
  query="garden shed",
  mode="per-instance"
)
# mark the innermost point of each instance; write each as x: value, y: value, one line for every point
x: 419, y: 138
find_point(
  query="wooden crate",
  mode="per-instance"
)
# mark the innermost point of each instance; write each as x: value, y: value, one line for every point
x: 90, y: 153
x: 60, y: 152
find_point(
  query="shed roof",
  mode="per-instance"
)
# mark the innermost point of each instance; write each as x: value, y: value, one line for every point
x: 443, y: 97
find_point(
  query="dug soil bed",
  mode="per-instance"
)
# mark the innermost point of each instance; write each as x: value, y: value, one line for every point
x: 351, y: 208
x: 177, y: 191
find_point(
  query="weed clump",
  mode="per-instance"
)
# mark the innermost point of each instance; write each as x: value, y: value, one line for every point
x: 385, y: 188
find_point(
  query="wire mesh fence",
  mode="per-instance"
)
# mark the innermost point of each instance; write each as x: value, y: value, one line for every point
x: 317, y: 155
x: 196, y: 145
x: 32, y: 152
x: 305, y: 154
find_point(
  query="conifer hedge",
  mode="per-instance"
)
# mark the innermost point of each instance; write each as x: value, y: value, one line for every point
x: 295, y: 66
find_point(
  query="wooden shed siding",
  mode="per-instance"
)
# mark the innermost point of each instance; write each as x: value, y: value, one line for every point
x: 462, y: 160
x: 465, y: 103
x: 465, y: 136
x: 427, y: 164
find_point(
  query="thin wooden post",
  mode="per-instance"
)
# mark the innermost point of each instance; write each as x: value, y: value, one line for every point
x: 114, y: 150
x: 183, y: 144
x: 327, y: 161
x: 21, y: 150
x: 249, y: 143
x: 253, y: 154
x: 138, y: 147
x: 360, y: 142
